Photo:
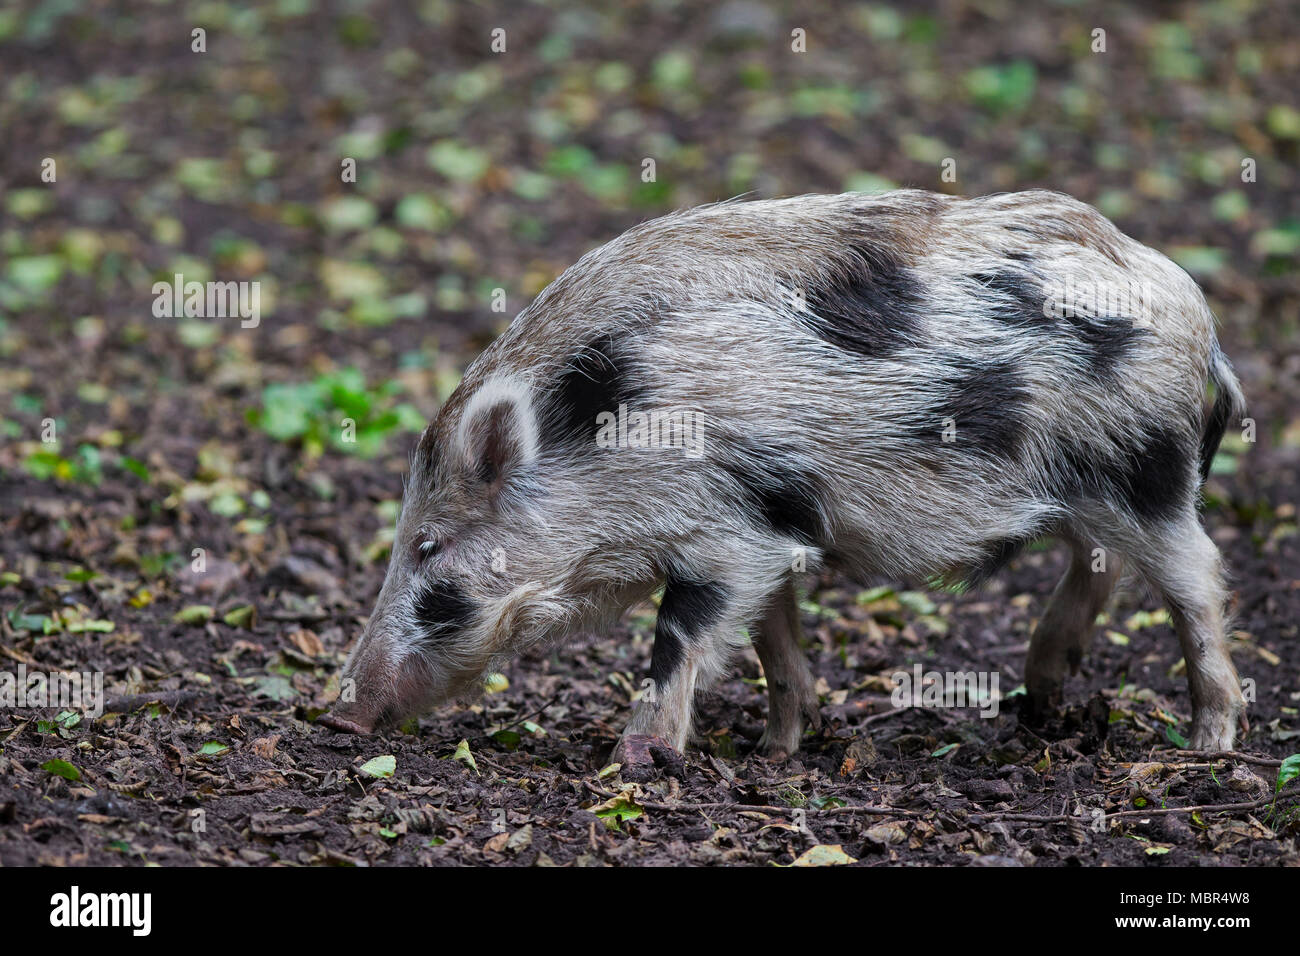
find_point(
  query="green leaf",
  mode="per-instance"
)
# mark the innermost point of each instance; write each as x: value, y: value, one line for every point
x: 866, y: 182
x: 194, y: 614
x: 227, y: 504
x: 98, y: 625
x: 464, y: 756
x: 274, y: 687
x: 422, y: 211
x: 1002, y: 89
x: 35, y: 273
x: 348, y: 214
x: 379, y: 767
x: 1142, y: 619
x: 570, y: 161
x: 916, y: 601
x: 61, y: 768
x: 617, y: 809
x: 507, y: 738
x: 241, y: 616
x: 875, y: 594
x: 212, y: 748
x: 1289, y: 770
x: 531, y: 185
x: 29, y: 203
x: 36, y: 623
x: 1199, y: 260
x: 136, y: 468
x: 1284, y: 122
x: 462, y: 164
x: 287, y: 410
x: 673, y: 70
x: 1175, y: 738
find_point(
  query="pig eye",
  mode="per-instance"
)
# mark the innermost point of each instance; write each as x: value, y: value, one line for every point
x: 427, y: 549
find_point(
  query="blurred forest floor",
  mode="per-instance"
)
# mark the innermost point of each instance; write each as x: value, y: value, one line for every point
x: 478, y: 171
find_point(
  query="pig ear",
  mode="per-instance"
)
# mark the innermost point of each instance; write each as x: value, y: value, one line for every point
x: 498, y: 433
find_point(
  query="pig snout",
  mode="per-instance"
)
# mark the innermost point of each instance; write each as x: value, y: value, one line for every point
x: 375, y: 690
x: 341, y: 724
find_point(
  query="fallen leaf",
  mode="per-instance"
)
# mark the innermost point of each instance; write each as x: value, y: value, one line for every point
x: 824, y: 855
x: 61, y: 768
x: 194, y: 614
x: 380, y: 767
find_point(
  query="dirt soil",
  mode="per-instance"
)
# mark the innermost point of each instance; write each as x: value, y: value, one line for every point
x: 227, y: 164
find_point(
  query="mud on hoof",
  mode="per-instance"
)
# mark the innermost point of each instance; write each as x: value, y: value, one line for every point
x: 645, y: 757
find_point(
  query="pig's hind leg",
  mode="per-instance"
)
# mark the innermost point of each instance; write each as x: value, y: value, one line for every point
x: 1065, y: 629
x: 792, y: 699
x: 1183, y: 564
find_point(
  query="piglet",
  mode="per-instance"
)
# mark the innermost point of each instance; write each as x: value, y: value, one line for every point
x: 906, y: 384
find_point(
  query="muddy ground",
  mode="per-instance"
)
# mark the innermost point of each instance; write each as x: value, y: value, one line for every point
x: 181, y: 440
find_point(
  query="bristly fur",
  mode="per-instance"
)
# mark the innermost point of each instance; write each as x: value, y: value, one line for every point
x: 880, y: 382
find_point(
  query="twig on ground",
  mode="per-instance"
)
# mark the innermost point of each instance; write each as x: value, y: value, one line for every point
x: 991, y: 817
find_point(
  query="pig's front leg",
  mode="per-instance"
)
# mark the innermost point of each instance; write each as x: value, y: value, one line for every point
x: 689, y: 640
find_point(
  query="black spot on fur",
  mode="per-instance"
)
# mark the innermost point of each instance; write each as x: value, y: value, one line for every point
x: 1156, y: 482
x: 986, y: 404
x: 777, y: 492
x: 872, y: 308
x: 442, y: 609
x: 1152, y: 479
x: 1108, y: 338
x: 1071, y: 473
x: 1215, y: 426
x: 1019, y: 301
x: 997, y: 555
x: 596, y: 379
x: 686, y: 611
x: 1014, y: 299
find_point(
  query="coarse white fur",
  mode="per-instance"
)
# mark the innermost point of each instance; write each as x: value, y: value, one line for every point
x: 710, y: 305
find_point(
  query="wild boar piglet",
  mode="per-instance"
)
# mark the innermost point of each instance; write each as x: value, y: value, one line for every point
x: 906, y: 384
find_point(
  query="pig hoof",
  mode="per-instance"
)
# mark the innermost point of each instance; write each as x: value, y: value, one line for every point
x: 776, y: 745
x: 1039, y: 706
x: 644, y: 756
x: 1213, y: 734
x: 340, y: 724
x: 774, y: 750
